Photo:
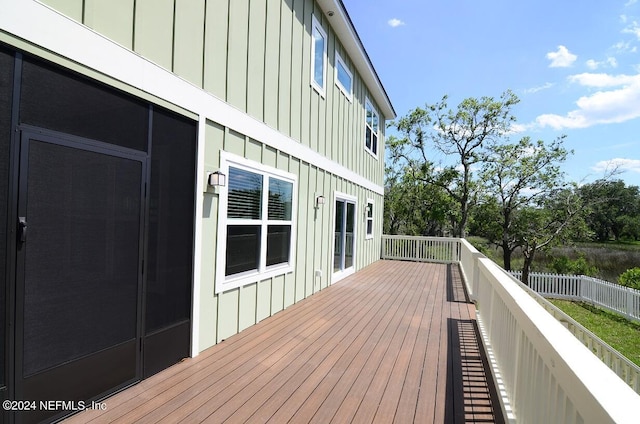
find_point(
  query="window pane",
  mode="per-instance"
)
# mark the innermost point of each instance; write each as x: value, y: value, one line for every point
x: 318, y: 60
x: 278, y: 244
x: 245, y: 194
x: 344, y: 77
x: 375, y: 123
x: 367, y: 140
x: 369, y: 115
x: 243, y: 248
x: 369, y: 226
x: 280, y: 195
x: 374, y: 144
x: 370, y: 211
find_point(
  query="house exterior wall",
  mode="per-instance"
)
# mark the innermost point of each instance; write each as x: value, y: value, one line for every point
x: 254, y: 56
x: 229, y: 312
x: 243, y: 70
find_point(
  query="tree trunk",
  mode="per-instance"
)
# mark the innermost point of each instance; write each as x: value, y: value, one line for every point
x: 526, y: 267
x: 506, y: 251
x: 506, y: 256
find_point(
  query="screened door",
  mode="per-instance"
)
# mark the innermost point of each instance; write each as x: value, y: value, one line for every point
x: 79, y: 268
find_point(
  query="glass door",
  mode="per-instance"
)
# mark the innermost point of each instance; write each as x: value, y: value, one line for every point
x: 344, y: 237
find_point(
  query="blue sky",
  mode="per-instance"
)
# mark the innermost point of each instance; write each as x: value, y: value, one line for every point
x: 574, y: 64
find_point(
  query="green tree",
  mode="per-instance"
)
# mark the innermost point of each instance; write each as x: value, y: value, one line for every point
x: 517, y: 176
x: 463, y: 134
x: 612, y: 209
x: 414, y: 208
x: 630, y: 278
x: 552, y: 220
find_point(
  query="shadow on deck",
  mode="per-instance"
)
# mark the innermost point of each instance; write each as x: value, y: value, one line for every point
x: 395, y: 342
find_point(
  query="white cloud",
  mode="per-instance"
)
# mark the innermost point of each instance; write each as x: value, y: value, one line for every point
x: 518, y: 128
x: 634, y: 29
x: 602, y: 107
x: 630, y: 2
x: 610, y: 61
x: 621, y: 164
x: 624, y: 47
x: 592, y: 64
x: 538, y: 88
x: 562, y: 58
x: 618, y: 100
x: 604, y: 80
x: 395, y: 22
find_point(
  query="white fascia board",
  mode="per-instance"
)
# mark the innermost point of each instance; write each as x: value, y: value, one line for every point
x: 344, y: 29
x: 40, y: 25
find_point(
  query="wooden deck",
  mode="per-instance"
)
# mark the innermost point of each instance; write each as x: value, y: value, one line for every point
x: 395, y: 342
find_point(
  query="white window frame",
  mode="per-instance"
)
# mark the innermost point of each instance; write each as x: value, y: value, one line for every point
x: 340, y: 196
x: 346, y: 91
x: 367, y: 104
x: 223, y: 282
x: 315, y: 25
x: 369, y: 217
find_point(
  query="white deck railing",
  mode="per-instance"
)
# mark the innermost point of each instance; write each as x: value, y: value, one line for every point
x: 613, y: 297
x: 421, y: 249
x: 618, y: 363
x: 543, y: 374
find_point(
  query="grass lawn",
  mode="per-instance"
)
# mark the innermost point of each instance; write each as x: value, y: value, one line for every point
x: 620, y: 333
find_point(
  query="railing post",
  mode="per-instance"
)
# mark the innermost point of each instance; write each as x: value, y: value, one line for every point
x: 475, y: 278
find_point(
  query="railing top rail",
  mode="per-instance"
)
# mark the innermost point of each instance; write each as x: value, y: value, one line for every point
x: 403, y: 237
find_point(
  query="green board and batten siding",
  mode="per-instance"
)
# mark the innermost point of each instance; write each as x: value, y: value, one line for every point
x: 237, y: 309
x: 256, y: 56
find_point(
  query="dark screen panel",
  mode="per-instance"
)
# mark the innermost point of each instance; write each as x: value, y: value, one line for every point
x: 243, y: 249
x: 68, y: 103
x: 82, y: 258
x: 171, y: 214
x: 6, y: 86
x: 278, y: 244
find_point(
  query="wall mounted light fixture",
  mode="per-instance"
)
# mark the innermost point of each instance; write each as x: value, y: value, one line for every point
x: 319, y: 200
x: 216, y: 179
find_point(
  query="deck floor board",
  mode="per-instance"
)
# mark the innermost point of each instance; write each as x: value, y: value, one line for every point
x: 395, y: 342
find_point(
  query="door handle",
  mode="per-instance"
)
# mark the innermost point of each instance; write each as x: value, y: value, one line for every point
x: 22, y: 229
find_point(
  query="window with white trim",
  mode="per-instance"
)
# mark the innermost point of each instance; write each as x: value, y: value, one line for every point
x: 369, y: 218
x: 344, y: 78
x: 256, y: 225
x: 371, y: 125
x: 318, y: 56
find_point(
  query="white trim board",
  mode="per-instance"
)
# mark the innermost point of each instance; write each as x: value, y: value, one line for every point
x: 48, y: 29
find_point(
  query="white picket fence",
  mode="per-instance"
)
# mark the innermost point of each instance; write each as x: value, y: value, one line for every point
x: 613, y: 297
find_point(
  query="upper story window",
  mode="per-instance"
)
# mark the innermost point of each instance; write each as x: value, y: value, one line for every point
x: 256, y: 223
x: 344, y: 79
x: 318, y: 56
x: 371, y: 129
